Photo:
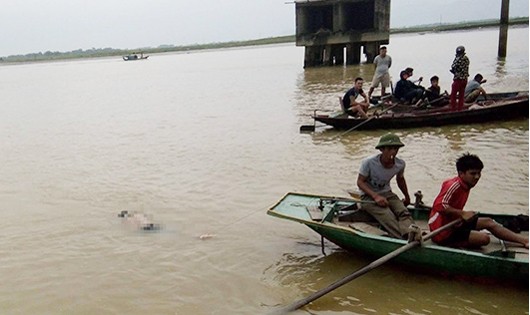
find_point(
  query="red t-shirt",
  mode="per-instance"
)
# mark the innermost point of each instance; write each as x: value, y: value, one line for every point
x: 454, y: 193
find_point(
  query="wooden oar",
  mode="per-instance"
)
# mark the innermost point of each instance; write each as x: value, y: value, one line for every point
x: 307, y: 128
x: 443, y: 96
x: 367, y: 268
x: 312, y: 127
x: 366, y: 121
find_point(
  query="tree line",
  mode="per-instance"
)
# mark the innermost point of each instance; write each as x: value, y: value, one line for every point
x: 109, y: 52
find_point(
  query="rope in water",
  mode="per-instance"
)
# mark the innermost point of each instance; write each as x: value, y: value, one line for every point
x: 223, y: 227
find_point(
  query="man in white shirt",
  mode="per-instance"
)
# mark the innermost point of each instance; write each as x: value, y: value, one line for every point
x: 382, y: 62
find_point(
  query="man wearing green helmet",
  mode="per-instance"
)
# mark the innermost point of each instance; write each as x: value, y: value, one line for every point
x: 374, y: 178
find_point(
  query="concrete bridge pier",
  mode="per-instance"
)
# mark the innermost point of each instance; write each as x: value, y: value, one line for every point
x: 371, y: 50
x: 324, y: 55
x: 326, y: 27
x: 313, y: 56
x: 353, y: 54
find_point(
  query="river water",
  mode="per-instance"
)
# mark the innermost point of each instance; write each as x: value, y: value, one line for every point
x: 204, y: 142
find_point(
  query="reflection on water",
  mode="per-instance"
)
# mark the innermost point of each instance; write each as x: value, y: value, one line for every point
x: 389, y: 289
x: 500, y: 70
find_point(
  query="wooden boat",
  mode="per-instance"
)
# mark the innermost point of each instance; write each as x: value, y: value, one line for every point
x: 340, y: 221
x: 497, y: 107
x: 135, y: 56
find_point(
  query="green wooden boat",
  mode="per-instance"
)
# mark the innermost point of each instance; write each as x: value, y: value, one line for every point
x: 342, y: 221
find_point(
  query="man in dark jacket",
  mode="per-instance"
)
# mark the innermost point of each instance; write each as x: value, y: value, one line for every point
x: 406, y: 91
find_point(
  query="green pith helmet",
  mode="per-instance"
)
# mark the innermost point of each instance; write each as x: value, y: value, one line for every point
x: 389, y: 140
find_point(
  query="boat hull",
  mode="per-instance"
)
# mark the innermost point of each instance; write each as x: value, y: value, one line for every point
x: 510, y: 108
x: 429, y: 257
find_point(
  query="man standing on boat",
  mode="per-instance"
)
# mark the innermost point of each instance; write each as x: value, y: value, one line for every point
x: 374, y: 178
x: 449, y: 205
x: 382, y: 62
x: 460, y: 71
x: 349, y: 102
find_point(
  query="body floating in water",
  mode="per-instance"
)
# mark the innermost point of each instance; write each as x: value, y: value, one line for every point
x: 139, y: 221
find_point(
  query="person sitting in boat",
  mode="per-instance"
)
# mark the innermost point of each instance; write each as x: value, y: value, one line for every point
x: 432, y: 95
x: 349, y: 102
x: 433, y: 91
x: 410, y: 72
x: 449, y: 205
x: 373, y: 180
x: 474, y: 89
x: 406, y: 91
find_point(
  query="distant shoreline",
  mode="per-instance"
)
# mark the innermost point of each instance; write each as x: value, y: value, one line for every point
x: 110, y: 52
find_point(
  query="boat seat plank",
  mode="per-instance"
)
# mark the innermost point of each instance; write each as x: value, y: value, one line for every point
x: 368, y: 228
x: 315, y: 213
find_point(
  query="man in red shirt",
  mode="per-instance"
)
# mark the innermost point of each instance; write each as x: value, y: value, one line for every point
x: 449, y: 206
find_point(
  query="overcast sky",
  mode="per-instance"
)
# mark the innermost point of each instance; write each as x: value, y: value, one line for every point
x: 30, y: 26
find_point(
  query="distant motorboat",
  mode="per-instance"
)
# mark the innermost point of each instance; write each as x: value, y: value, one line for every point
x: 135, y: 56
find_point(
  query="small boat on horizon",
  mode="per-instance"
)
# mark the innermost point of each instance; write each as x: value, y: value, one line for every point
x: 135, y: 56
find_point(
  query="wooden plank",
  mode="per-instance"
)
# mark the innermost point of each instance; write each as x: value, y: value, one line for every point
x: 315, y: 213
x: 368, y: 228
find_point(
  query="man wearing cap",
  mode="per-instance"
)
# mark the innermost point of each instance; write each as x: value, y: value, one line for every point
x: 460, y: 71
x: 374, y: 178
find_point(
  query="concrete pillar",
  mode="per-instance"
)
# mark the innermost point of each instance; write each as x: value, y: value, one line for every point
x: 339, y: 20
x: 353, y: 54
x: 503, y: 32
x: 317, y: 56
x: 301, y: 21
x: 371, y: 50
x: 337, y: 52
x: 309, y: 58
x: 382, y: 15
x: 327, y: 56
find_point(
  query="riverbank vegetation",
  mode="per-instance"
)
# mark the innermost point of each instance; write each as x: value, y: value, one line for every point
x: 108, y: 52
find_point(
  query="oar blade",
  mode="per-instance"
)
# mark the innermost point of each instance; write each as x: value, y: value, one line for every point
x: 307, y: 128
